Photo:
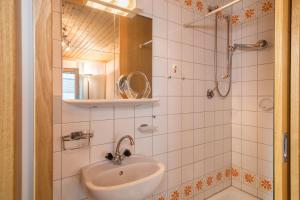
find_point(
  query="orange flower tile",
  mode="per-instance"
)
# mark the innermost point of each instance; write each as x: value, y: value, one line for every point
x: 209, y: 180
x: 199, y: 5
x: 188, y: 2
x: 266, y: 184
x: 267, y: 6
x: 234, y: 172
x: 199, y: 185
x: 175, y: 195
x: 249, y: 178
x: 187, y: 191
x: 228, y: 173
x: 219, y: 176
x: 160, y: 198
x: 235, y: 19
x: 249, y: 13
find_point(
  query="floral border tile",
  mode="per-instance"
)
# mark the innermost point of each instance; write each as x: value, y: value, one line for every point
x: 204, y: 184
x: 249, y: 178
x: 188, y: 3
x: 219, y: 177
x: 209, y: 181
x: 252, y: 11
x: 199, y: 6
x: 265, y: 185
x: 235, y: 19
x: 187, y: 190
x: 199, y: 185
x: 174, y: 194
x: 161, y: 196
x: 266, y: 7
x: 236, y: 173
x: 227, y: 173
x: 249, y: 13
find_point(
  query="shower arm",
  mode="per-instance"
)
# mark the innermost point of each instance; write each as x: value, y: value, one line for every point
x: 261, y: 44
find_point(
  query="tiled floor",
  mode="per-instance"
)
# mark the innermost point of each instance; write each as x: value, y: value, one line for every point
x: 232, y: 194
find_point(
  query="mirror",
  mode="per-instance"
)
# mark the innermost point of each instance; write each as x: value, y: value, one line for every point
x: 105, y: 55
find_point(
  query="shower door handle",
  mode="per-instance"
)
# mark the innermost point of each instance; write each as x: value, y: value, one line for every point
x: 285, y: 147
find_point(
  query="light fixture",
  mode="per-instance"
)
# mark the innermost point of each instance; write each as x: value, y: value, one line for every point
x: 119, y: 7
x: 65, y: 43
x: 68, y: 48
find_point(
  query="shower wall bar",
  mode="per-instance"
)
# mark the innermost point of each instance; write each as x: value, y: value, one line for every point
x: 191, y: 24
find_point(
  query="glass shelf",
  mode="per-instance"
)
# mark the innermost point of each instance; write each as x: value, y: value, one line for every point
x: 104, y: 102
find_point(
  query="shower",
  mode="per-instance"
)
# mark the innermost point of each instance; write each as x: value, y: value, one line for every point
x: 261, y: 44
x: 230, y: 49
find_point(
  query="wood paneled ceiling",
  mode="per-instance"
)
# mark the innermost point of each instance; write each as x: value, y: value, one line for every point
x: 91, y: 33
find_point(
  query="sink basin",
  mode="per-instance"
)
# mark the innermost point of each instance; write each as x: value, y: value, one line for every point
x: 136, y: 179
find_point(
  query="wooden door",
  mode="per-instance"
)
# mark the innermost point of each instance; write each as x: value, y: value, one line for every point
x: 295, y: 112
x: 10, y: 101
x: 281, y: 96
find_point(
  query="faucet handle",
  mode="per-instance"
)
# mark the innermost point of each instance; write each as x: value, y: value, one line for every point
x: 127, y: 153
x: 109, y: 156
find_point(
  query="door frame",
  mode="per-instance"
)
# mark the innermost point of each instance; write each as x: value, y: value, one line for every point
x: 281, y: 96
x: 10, y: 107
x: 295, y: 96
x: 43, y: 112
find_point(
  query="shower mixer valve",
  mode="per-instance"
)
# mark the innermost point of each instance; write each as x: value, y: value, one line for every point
x: 225, y: 76
x: 210, y: 93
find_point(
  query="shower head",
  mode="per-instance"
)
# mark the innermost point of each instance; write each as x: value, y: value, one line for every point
x: 260, y: 44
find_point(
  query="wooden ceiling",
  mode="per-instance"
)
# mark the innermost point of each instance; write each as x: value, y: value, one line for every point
x: 91, y: 33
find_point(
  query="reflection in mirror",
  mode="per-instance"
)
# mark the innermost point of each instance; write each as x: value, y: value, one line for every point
x: 99, y: 47
x: 83, y: 80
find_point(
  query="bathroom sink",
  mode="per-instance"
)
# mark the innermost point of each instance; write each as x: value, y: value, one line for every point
x: 136, y: 179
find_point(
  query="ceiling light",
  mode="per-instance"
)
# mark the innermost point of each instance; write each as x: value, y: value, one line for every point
x: 63, y: 43
x: 119, y: 7
x: 68, y: 48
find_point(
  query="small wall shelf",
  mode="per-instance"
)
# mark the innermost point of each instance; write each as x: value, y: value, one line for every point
x: 105, y: 102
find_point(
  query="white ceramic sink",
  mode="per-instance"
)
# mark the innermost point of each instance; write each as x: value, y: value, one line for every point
x: 136, y: 179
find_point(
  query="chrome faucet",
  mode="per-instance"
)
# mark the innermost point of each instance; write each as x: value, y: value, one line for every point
x: 118, y: 157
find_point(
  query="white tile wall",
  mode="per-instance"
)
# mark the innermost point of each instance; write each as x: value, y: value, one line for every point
x: 196, y: 137
x: 252, y: 128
